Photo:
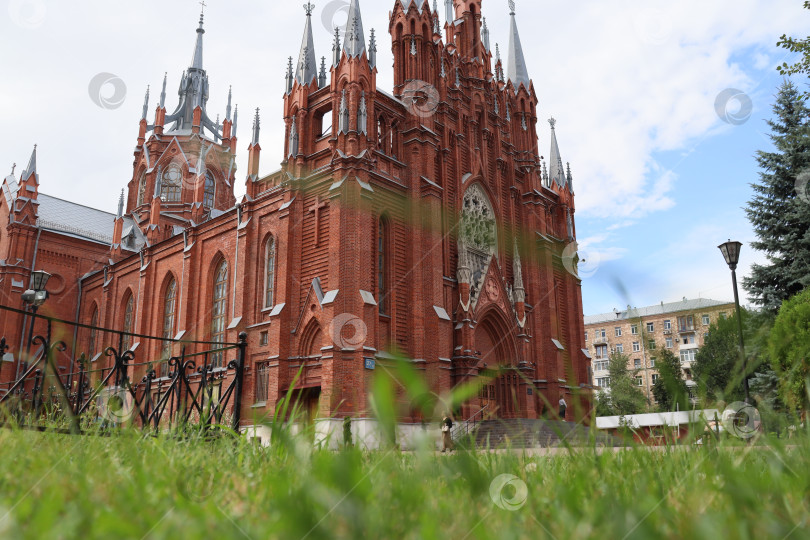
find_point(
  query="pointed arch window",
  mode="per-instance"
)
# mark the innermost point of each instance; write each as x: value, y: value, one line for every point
x: 142, y: 189
x: 382, y: 267
x: 170, y: 184
x: 219, y: 309
x: 210, y: 190
x: 169, y: 310
x: 129, y: 316
x: 270, y: 273
x: 93, y: 345
x: 478, y: 230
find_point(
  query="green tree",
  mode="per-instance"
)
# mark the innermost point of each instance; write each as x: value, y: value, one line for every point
x: 795, y: 45
x: 625, y: 396
x: 779, y: 215
x: 789, y: 349
x: 670, y: 389
x: 718, y: 367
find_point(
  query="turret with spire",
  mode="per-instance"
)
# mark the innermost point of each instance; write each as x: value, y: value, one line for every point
x: 307, y: 70
x: 518, y: 72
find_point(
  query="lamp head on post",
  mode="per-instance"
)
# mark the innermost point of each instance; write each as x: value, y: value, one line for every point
x: 731, y: 252
x: 36, y: 295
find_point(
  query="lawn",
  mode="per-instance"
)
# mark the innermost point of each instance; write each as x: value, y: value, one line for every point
x: 131, y: 486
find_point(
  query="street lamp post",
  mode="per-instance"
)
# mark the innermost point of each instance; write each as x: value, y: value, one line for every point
x: 34, y: 297
x: 731, y: 252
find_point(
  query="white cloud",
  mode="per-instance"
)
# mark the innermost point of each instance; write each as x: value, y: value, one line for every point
x: 624, y: 79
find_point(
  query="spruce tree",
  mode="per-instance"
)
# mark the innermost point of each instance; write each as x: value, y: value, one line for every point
x: 780, y: 208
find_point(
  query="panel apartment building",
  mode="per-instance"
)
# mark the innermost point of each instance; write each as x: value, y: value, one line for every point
x: 641, y: 333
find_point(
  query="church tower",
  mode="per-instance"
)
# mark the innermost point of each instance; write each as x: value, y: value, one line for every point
x: 428, y: 217
x: 184, y: 168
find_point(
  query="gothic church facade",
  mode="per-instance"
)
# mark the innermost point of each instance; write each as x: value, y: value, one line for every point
x: 422, y: 222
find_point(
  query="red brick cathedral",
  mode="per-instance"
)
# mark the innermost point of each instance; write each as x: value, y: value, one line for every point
x: 421, y: 222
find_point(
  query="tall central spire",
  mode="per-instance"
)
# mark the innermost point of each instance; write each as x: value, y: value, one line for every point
x: 355, y: 38
x: 307, y: 62
x: 518, y: 73
x: 197, y: 60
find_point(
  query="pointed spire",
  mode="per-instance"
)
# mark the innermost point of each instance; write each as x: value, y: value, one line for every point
x: 570, y: 178
x: 362, y: 115
x: 372, y: 51
x: 13, y: 168
x: 197, y: 60
x: 443, y: 73
x: 498, y: 64
x: 450, y: 11
x: 121, y: 205
x: 518, y: 73
x: 256, y: 126
x: 556, y: 172
x: 336, y: 48
x: 307, y: 70
x: 228, y: 108
x: 485, y: 36
x: 145, y: 104
x: 289, y: 75
x: 235, y: 121
x: 163, y: 92
x: 322, y: 74
x: 32, y: 167
x: 436, y: 28
x: 355, y: 38
x: 464, y: 273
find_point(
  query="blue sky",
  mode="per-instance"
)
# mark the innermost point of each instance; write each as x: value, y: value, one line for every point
x: 660, y: 179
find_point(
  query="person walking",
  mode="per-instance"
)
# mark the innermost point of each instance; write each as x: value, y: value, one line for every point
x: 447, y: 441
x: 563, y: 407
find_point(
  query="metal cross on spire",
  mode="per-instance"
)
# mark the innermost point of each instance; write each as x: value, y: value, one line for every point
x: 13, y: 168
x: 308, y: 7
x: 512, y: 6
x: 204, y: 5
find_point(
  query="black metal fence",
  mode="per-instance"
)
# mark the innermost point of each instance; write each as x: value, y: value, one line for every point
x: 193, y: 388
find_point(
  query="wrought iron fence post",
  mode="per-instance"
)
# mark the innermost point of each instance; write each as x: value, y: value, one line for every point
x: 240, y: 379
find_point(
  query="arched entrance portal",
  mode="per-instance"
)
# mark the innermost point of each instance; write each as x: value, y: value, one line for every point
x: 500, y: 395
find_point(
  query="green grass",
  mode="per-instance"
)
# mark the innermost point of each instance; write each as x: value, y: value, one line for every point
x: 130, y: 486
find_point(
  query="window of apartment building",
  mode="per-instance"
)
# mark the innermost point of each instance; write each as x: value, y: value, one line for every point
x: 688, y: 356
x: 650, y: 327
x: 669, y: 343
x: 262, y: 382
x: 619, y: 348
x: 601, y: 334
x: 637, y: 363
x: 687, y: 341
x: 723, y: 315
x: 618, y: 331
x: 652, y: 362
x: 667, y: 325
x: 654, y: 378
x: 586, y: 336
x: 603, y: 382
x: 706, y: 320
x: 639, y: 381
x: 634, y: 329
x: 636, y: 346
x: 601, y: 365
x: 264, y: 338
x: 686, y: 324
x: 601, y: 351
x: 651, y: 345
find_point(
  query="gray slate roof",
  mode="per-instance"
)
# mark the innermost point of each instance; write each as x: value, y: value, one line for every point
x: 651, y: 311
x: 75, y: 219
